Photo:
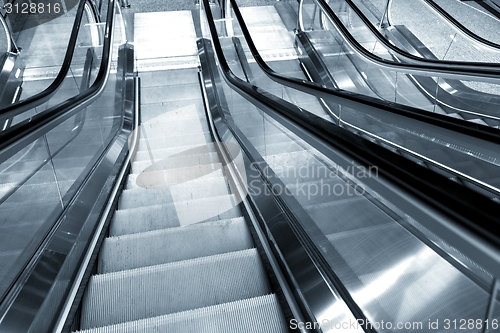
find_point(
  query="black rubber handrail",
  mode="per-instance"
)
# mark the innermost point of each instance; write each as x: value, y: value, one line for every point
x: 20, y: 135
x: 43, y: 96
x: 77, y: 129
x: 470, y: 69
x: 492, y: 7
x: 356, y: 100
x: 459, y: 26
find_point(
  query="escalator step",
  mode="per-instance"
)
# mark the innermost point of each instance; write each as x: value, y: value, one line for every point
x: 151, y: 180
x: 201, y: 187
x: 179, y: 161
x: 169, y: 245
x: 158, y: 290
x: 141, y: 197
x: 252, y: 315
x: 146, y: 144
x: 168, y: 126
x: 158, y: 154
x: 134, y: 220
x: 152, y: 112
x: 154, y: 217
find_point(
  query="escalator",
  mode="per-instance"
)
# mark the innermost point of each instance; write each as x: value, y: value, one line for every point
x: 50, y: 55
x: 8, y: 55
x: 354, y: 63
x: 470, y: 99
x: 208, y: 199
x: 417, y: 138
x: 45, y: 162
x: 28, y: 173
x: 191, y: 262
x: 203, y: 217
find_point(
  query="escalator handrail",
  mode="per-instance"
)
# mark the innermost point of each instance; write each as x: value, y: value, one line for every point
x: 58, y: 114
x: 20, y: 135
x: 473, y: 129
x: 416, y: 65
x: 7, y: 33
x: 428, y: 91
x: 358, y: 100
x: 440, y: 11
x: 43, y: 96
x: 468, y: 209
x: 77, y: 129
x: 253, y: 94
x: 493, y: 5
x: 460, y: 27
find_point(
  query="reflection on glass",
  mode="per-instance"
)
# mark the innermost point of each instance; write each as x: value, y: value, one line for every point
x: 38, y: 182
x: 391, y: 267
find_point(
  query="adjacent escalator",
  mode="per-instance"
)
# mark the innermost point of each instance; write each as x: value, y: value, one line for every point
x: 48, y: 57
x: 430, y: 136
x: 469, y: 99
x: 45, y: 161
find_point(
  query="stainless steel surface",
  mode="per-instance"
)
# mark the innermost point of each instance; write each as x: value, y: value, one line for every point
x: 308, y: 281
x: 410, y: 65
x: 239, y: 181
x: 132, y: 145
x: 47, y: 272
x: 385, y: 259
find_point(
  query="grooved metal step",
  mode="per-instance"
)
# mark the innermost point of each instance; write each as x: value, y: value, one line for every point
x: 172, y: 141
x: 155, y: 217
x: 251, y: 315
x: 157, y: 290
x: 169, y: 245
x: 142, y: 197
x: 158, y: 180
x: 158, y: 154
x: 178, y: 161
